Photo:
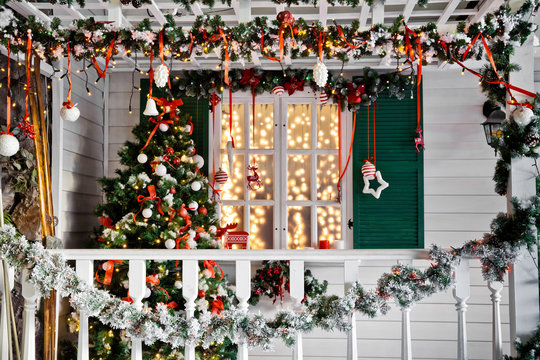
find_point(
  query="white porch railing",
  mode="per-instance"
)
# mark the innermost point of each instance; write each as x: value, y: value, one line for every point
x: 241, y: 259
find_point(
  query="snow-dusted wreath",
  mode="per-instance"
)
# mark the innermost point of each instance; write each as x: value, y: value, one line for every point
x: 404, y: 284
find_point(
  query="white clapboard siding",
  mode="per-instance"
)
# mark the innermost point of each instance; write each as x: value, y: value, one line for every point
x: 82, y: 160
x: 459, y: 205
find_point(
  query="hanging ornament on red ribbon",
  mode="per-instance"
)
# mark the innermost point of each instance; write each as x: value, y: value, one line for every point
x: 369, y: 170
x: 103, y: 73
x: 161, y: 74
x: 109, y: 271
x: 320, y: 72
x: 9, y: 145
x: 152, y: 196
x: 69, y: 111
x: 25, y: 125
x: 254, y: 182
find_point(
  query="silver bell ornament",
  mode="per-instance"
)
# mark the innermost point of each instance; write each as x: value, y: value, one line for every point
x: 523, y: 116
x: 69, y: 112
x: 161, y: 75
x: 9, y: 145
x: 151, y: 108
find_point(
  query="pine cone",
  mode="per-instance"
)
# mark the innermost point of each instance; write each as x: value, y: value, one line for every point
x: 125, y: 2
x: 136, y: 3
x: 532, y: 140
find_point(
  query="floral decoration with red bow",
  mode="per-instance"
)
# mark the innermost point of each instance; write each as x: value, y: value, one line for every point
x: 355, y: 93
x: 249, y: 78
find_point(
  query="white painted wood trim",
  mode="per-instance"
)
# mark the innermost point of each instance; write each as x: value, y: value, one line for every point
x: 137, y: 290
x: 461, y: 293
x: 495, y: 288
x: 57, y: 149
x: 30, y: 295
x: 85, y: 270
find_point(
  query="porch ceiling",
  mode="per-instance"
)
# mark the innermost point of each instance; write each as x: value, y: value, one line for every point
x: 445, y: 13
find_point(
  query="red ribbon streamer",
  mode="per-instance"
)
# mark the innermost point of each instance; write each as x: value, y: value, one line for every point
x: 230, y: 116
x: 108, y: 273
x: 342, y: 173
x: 210, y: 264
x: 68, y: 103
x: 28, y: 62
x: 340, y: 32
x: 8, y: 107
x: 322, y: 35
x: 151, y: 71
x: 153, y: 196
x: 262, y: 48
x: 155, y: 129
x: 103, y: 73
x: 226, y: 64
x: 281, y: 31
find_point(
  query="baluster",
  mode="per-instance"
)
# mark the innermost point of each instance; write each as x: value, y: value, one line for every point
x: 461, y: 293
x: 29, y: 317
x: 406, y: 342
x: 350, y: 275
x: 190, y: 278
x: 243, y: 292
x: 496, y: 287
x: 4, y: 313
x: 137, y: 290
x: 85, y: 270
x: 297, y: 294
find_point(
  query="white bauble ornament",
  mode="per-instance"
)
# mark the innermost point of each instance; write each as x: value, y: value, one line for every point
x: 70, y: 114
x: 178, y: 284
x: 161, y: 75
x: 142, y: 158
x: 163, y: 127
x: 9, y: 145
x: 187, y: 128
x: 523, y: 115
x: 212, y: 229
x: 199, y: 160
x: 196, y: 186
x: 193, y: 206
x: 170, y: 244
x: 161, y: 170
x: 278, y: 90
x: 147, y: 293
x: 147, y: 213
x: 320, y: 74
x: 151, y: 108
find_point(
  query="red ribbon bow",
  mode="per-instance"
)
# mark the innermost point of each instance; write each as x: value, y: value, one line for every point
x: 103, y: 73
x: 217, y: 307
x: 210, y: 264
x: 108, y: 272
x: 106, y: 221
x: 169, y: 107
x: 152, y: 133
x: 153, y: 196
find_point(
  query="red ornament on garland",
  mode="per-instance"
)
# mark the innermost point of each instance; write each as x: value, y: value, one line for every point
x: 172, y: 191
x: 169, y: 150
x: 176, y: 161
x: 203, y: 211
x: 201, y: 294
x: 286, y: 17
x: 293, y: 85
x: 182, y: 212
x: 355, y: 93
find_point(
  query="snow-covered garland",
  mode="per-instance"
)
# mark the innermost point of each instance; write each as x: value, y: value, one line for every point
x: 404, y: 284
x: 88, y: 38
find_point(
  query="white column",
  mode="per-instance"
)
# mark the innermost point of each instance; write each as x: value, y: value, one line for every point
x: 243, y: 292
x: 190, y: 279
x: 85, y: 270
x: 496, y: 287
x: 350, y: 275
x: 297, y: 294
x: 137, y: 289
x: 4, y: 313
x: 461, y: 293
x: 523, y: 276
x: 29, y: 318
x: 406, y: 343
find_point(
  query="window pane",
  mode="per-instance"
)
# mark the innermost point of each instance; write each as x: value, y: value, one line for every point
x: 237, y: 126
x: 264, y: 126
x: 234, y: 188
x: 265, y: 164
x: 329, y: 226
x: 261, y: 226
x: 327, y: 127
x: 233, y: 215
x: 299, y: 229
x: 298, y: 177
x: 327, y: 177
x: 299, y: 128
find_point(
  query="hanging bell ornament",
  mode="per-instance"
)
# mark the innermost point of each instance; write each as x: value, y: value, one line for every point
x: 151, y: 108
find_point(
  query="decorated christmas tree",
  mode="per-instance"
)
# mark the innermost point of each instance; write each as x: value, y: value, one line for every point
x: 160, y: 199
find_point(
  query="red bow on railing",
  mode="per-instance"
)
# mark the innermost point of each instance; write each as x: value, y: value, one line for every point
x: 168, y: 122
x: 217, y: 307
x: 109, y: 270
x: 210, y: 264
x: 153, y: 196
x: 106, y: 221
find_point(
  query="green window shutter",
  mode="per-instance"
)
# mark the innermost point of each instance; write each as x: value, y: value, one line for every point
x: 396, y: 219
x: 200, y: 125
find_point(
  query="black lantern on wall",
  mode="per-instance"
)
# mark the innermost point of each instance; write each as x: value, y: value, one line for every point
x: 493, y: 124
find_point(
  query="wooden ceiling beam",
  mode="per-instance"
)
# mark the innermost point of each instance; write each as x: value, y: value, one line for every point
x: 448, y: 11
x: 409, y: 7
x: 156, y: 12
x: 364, y: 13
x: 487, y: 6
x: 323, y: 12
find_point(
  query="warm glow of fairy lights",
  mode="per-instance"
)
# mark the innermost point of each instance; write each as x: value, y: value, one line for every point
x: 237, y: 128
x: 298, y: 177
x: 328, y: 223
x: 299, y: 229
x: 327, y: 177
x: 299, y: 130
x: 264, y: 126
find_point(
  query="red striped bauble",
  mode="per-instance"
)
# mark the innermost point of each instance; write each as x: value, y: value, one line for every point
x: 278, y: 90
x: 368, y: 170
x: 323, y: 98
x: 221, y: 177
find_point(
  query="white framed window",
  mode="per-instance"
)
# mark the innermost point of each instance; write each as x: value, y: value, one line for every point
x: 295, y: 146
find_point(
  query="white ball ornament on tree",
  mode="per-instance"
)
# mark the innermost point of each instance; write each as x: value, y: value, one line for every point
x: 70, y: 112
x: 320, y: 74
x: 212, y: 229
x: 9, y: 145
x: 163, y: 127
x: 142, y: 158
x: 193, y: 206
x: 147, y: 293
x: 196, y: 186
x: 170, y: 244
x: 161, y: 170
x: 187, y: 128
x: 147, y: 213
x: 199, y: 161
x: 178, y: 284
x: 161, y: 75
x: 523, y: 115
